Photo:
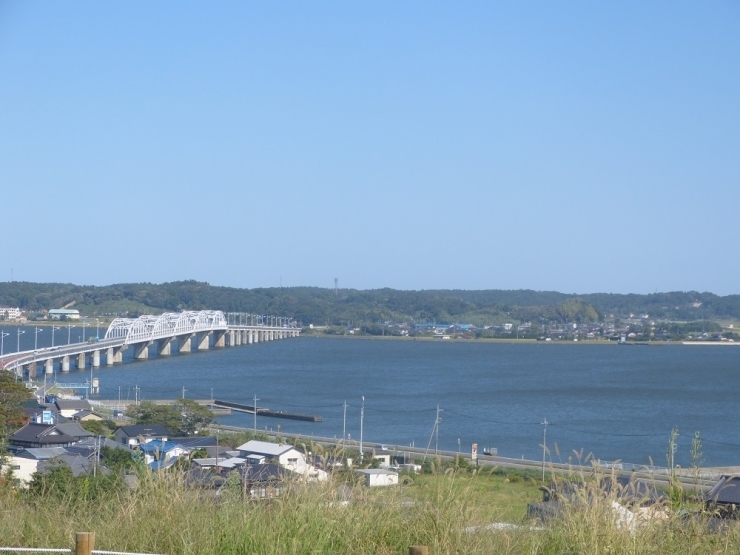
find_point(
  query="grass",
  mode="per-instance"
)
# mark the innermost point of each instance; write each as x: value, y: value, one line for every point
x: 162, y: 515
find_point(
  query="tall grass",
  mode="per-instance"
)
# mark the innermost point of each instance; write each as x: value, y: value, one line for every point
x: 163, y: 515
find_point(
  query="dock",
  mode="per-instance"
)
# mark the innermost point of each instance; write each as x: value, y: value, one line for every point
x: 262, y: 411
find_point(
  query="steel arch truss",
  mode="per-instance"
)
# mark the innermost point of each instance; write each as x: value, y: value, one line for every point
x: 169, y: 324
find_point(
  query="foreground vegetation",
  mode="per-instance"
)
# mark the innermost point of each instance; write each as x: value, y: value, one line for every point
x: 449, y: 512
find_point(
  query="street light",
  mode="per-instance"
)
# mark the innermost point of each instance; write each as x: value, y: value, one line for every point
x: 3, y: 335
x: 69, y: 333
x: 84, y: 325
x: 53, y: 329
x: 18, y: 346
x: 97, y: 329
x: 36, y: 338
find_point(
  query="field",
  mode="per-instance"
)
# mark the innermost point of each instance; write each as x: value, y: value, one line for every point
x: 450, y: 512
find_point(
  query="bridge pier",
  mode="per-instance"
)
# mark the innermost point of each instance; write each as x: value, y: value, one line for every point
x: 81, y: 361
x: 119, y: 355
x: 204, y: 341
x: 164, y: 346
x: 32, y: 371
x: 49, y: 366
x: 185, y: 343
x: 219, y: 338
x: 96, y: 359
x: 65, y: 363
x: 141, y: 350
x: 109, y: 356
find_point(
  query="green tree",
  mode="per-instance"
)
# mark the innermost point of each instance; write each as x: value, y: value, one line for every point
x: 12, y: 396
x: 185, y: 417
x: 96, y: 427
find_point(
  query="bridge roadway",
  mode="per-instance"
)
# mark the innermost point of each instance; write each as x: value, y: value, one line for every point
x: 170, y: 332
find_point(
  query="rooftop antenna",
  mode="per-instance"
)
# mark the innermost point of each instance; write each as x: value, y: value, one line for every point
x: 336, y: 286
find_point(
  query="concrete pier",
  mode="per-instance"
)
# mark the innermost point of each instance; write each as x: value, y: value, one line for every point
x: 219, y: 339
x: 81, y: 361
x: 96, y: 359
x: 185, y: 343
x: 164, y: 346
x: 65, y: 363
x: 49, y: 366
x: 141, y: 350
x: 204, y: 341
x: 110, y: 357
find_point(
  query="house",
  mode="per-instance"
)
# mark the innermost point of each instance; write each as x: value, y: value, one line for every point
x: 39, y: 435
x: 264, y: 481
x: 375, y: 477
x: 88, y: 416
x: 286, y: 456
x: 74, y: 430
x: 24, y: 464
x: 220, y: 463
x: 134, y: 435
x: 68, y: 407
x: 161, y: 452
x: 260, y: 453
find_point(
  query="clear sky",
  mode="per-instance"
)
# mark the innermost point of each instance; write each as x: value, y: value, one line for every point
x: 570, y: 146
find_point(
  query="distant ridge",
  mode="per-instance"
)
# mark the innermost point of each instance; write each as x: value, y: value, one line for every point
x: 315, y: 305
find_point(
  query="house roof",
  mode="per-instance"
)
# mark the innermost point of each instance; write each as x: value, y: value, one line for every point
x: 81, y: 466
x: 40, y: 434
x: 74, y: 429
x: 376, y: 471
x: 265, y: 448
x: 725, y: 492
x: 85, y: 413
x: 40, y: 453
x: 194, y: 442
x: 199, y: 477
x: 264, y: 472
x: 158, y: 446
x: 144, y: 430
x: 72, y: 404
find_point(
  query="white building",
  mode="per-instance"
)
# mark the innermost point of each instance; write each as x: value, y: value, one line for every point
x: 375, y: 477
x: 9, y: 313
x: 287, y: 456
x: 70, y: 314
x: 21, y: 468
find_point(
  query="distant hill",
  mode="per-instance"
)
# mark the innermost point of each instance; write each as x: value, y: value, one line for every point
x: 314, y: 305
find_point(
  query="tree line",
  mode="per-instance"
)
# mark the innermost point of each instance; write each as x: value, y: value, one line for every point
x: 323, y: 306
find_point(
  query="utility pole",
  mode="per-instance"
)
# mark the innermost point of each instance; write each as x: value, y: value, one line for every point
x: 436, y: 430
x: 545, y: 423
x: 255, y: 413
x: 362, y: 418
x: 183, y: 391
x: 344, y: 424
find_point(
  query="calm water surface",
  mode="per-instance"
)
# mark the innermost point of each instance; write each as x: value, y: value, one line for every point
x: 617, y: 402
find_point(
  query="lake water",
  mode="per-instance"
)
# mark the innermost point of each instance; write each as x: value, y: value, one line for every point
x: 617, y: 402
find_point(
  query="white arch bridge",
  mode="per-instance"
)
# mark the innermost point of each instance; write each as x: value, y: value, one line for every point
x: 181, y: 332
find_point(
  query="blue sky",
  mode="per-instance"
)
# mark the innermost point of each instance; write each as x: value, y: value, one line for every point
x: 572, y: 146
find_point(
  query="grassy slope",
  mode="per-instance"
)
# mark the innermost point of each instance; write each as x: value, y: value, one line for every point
x: 162, y: 516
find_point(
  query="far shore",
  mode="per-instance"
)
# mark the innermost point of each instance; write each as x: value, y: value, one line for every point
x: 486, y: 340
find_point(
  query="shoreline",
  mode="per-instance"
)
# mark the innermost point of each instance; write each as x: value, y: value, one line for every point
x: 513, y: 341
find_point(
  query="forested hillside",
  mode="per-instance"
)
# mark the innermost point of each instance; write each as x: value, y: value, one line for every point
x: 313, y: 305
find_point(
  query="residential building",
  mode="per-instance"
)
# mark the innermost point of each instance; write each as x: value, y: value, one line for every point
x: 133, y: 436
x: 10, y: 314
